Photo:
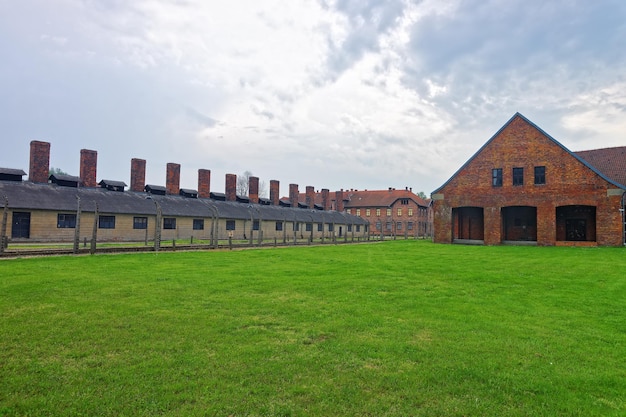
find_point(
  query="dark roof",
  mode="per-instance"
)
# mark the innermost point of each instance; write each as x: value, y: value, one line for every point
x: 155, y: 189
x: 610, y: 161
x: 189, y: 193
x: 556, y: 142
x: 12, y: 171
x: 381, y: 198
x: 112, y: 185
x: 65, y: 180
x: 26, y: 195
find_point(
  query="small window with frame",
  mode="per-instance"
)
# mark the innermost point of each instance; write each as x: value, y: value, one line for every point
x: 518, y: 176
x: 540, y: 175
x: 496, y: 177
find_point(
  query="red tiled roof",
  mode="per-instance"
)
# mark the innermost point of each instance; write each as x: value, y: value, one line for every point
x: 368, y: 198
x: 611, y: 162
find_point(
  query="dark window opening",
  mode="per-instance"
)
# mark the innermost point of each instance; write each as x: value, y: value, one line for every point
x: 309, y: 227
x: 576, y: 229
x: 496, y: 177
x: 230, y: 225
x: 169, y: 223
x: 255, y: 225
x: 279, y: 226
x: 198, y: 224
x: 66, y: 221
x: 540, y: 175
x: 106, y: 222
x: 21, y: 225
x: 140, y: 223
x: 320, y: 227
x: 518, y: 176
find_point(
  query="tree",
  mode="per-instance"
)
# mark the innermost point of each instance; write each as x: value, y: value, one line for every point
x: 56, y: 171
x: 243, y: 182
x: 422, y: 195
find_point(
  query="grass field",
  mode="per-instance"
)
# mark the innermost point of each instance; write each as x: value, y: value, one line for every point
x: 399, y: 328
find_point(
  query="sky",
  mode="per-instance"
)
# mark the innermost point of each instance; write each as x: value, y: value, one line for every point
x: 336, y: 94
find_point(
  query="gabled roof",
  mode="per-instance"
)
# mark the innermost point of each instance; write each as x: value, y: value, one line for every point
x: 381, y: 198
x: 112, y: 185
x: 556, y: 142
x: 610, y: 161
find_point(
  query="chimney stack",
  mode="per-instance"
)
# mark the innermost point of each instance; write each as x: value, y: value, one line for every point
x: 310, y: 197
x: 204, y: 183
x: 325, y: 199
x: 88, y: 167
x: 274, y: 192
x: 137, y: 174
x: 39, y: 170
x: 253, y: 189
x: 339, y: 198
x: 293, y: 195
x: 172, y: 180
x: 231, y: 187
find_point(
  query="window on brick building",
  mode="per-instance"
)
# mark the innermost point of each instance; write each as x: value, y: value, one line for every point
x: 367, y: 212
x: 309, y: 227
x: 388, y: 212
x: 518, y: 176
x: 106, y: 222
x: 378, y: 225
x: 399, y: 226
x: 378, y: 212
x: 279, y: 226
x: 66, y: 221
x: 409, y: 225
x: 140, y: 222
x: 320, y: 227
x: 230, y: 225
x: 399, y: 212
x: 169, y: 223
x: 389, y: 225
x: 404, y: 201
x: 540, y: 175
x: 198, y: 224
x: 410, y: 211
x: 496, y: 177
x: 358, y: 212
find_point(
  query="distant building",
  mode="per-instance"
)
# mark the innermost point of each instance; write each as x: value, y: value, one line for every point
x: 389, y: 212
x: 524, y: 187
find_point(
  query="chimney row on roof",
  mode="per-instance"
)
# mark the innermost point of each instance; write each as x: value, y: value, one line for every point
x: 231, y: 187
x: 204, y: 183
x: 172, y: 179
x: 88, y: 167
x: 39, y: 170
x: 310, y: 196
x: 253, y: 189
x: 339, y: 198
x: 275, y: 192
x: 137, y: 174
x: 325, y: 199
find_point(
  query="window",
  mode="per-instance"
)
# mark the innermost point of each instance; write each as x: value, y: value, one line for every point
x: 410, y: 211
x: 330, y: 227
x: 358, y: 212
x: 358, y: 228
x: 404, y: 201
x: 198, y: 224
x: 140, y: 222
x: 320, y: 227
x: 378, y: 212
x: 409, y: 226
x: 540, y: 175
x: 518, y: 176
x: 106, y: 222
x: 296, y: 227
x: 399, y: 212
x: 496, y: 177
x: 367, y: 212
x: 255, y: 225
x: 349, y: 228
x: 309, y: 227
x: 378, y: 225
x: 388, y: 225
x: 399, y: 226
x: 279, y: 226
x: 388, y: 212
x: 230, y: 225
x: 169, y: 223
x: 66, y: 221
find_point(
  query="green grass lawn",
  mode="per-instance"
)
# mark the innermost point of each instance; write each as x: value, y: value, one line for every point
x: 399, y: 328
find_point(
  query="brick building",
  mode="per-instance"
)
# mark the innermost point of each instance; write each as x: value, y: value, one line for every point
x: 523, y: 186
x: 389, y: 212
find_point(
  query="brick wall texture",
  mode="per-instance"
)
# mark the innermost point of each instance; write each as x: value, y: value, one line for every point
x: 39, y: 170
x: 88, y: 167
x: 469, y: 200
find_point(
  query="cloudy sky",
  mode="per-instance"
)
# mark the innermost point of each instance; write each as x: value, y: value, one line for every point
x: 363, y: 94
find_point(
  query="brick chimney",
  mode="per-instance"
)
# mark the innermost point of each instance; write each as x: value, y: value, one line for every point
x: 339, y: 198
x: 88, y: 167
x: 204, y: 183
x: 137, y: 174
x: 172, y: 180
x: 326, y: 199
x: 310, y: 196
x: 39, y: 170
x: 231, y: 187
x: 253, y: 189
x: 275, y: 192
x: 293, y: 195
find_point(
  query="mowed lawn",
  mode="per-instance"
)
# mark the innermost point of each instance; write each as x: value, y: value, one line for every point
x: 398, y: 328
